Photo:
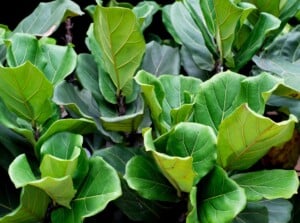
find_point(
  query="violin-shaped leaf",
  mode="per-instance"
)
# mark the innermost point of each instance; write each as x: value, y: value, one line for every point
x: 118, y: 33
x: 245, y: 137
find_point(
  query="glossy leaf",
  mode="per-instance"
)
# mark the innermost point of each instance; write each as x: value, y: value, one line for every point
x: 144, y: 176
x: 245, y: 137
x: 268, y: 184
x: 63, y: 62
x: 47, y: 17
x: 219, y: 96
x: 27, y: 92
x: 178, y: 170
x: 117, y: 32
x: 59, y: 189
x: 101, y: 186
x: 33, y: 206
x: 219, y: 199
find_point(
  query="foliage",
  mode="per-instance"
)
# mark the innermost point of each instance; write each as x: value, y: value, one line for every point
x: 150, y: 127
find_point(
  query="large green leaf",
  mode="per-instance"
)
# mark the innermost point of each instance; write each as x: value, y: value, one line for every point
x: 178, y: 170
x: 27, y: 92
x: 185, y: 154
x: 47, y: 17
x: 222, y: 94
x: 59, y: 189
x: 219, y: 199
x: 33, y: 207
x: 245, y: 137
x: 268, y: 184
x: 144, y: 176
x: 101, y: 186
x: 180, y: 24
x: 122, y: 43
x: 22, y: 47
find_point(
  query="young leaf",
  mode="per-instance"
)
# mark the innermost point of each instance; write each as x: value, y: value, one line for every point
x: 117, y: 32
x: 26, y: 91
x: 101, y: 186
x: 219, y: 198
x: 268, y: 184
x: 245, y: 137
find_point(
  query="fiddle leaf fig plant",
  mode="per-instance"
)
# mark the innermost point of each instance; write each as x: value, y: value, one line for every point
x: 169, y: 114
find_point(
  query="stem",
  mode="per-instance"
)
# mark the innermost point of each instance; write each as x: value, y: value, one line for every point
x: 121, y: 104
x: 68, y: 27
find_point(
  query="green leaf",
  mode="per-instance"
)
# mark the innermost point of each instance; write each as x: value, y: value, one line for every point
x: 47, y: 17
x: 265, y: 24
x: 138, y: 208
x: 178, y: 170
x: 144, y: 176
x: 122, y: 43
x: 227, y: 18
x: 268, y: 184
x: 192, y: 215
x: 59, y: 189
x: 245, y: 137
x: 27, y: 92
x: 117, y: 156
x: 63, y: 62
x: 22, y: 47
x: 78, y: 126
x: 161, y: 59
x: 219, y: 199
x: 33, y: 206
x: 282, y: 58
x: 195, y: 140
x: 146, y: 10
x: 180, y: 24
x: 101, y: 186
x: 219, y: 96
x: 266, y: 211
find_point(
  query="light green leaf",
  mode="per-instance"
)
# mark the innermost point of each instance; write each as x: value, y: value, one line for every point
x: 59, y: 189
x: 47, y: 17
x: 219, y: 199
x: 195, y: 140
x: 63, y: 62
x: 144, y: 176
x: 227, y: 18
x: 33, y: 206
x: 122, y: 44
x: 101, y: 186
x: 27, y: 92
x: 178, y: 170
x: 245, y: 137
x: 268, y: 184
